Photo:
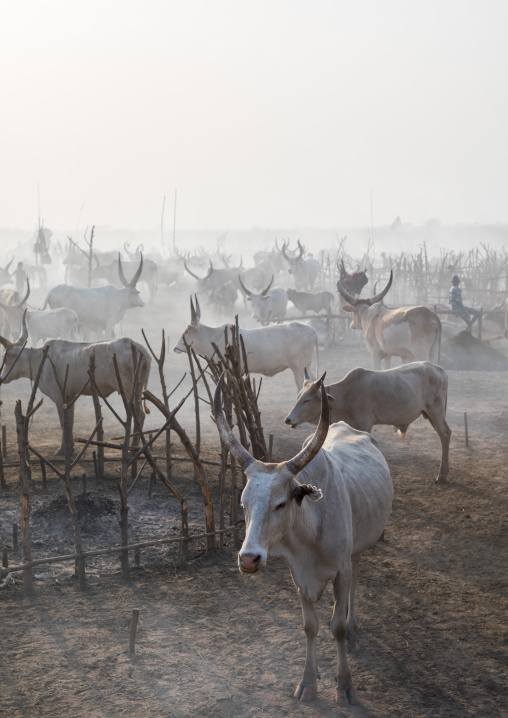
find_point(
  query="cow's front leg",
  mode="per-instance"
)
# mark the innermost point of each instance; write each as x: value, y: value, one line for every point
x: 352, y: 642
x: 345, y: 693
x: 67, y: 430
x: 307, y: 688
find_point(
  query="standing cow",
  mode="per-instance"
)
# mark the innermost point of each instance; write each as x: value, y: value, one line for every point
x: 270, y: 350
x: 99, y: 309
x: 396, y: 397
x: 267, y: 306
x: 22, y: 363
x: 411, y: 333
x: 320, y: 541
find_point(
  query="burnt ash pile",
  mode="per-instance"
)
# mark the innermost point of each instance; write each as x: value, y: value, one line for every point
x: 90, y: 508
x: 465, y: 352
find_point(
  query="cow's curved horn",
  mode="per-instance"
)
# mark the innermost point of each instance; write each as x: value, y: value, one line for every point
x: 320, y: 380
x: 189, y: 271
x: 345, y: 294
x: 384, y: 292
x: 210, y: 271
x: 306, y: 374
x: 239, y: 452
x: 198, y: 308
x: 25, y: 298
x: 24, y: 332
x: 6, y: 268
x: 126, y: 248
x: 265, y: 291
x: 135, y: 278
x: 301, y: 250
x: 284, y: 253
x: 247, y: 291
x: 300, y: 461
x: 120, y: 272
x: 194, y: 317
x: 140, y: 248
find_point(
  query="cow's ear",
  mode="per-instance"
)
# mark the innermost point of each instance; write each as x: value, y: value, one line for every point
x: 330, y: 397
x: 306, y: 490
x: 248, y: 299
x: 347, y: 308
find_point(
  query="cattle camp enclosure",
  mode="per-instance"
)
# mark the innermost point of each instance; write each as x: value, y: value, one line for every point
x: 210, y: 641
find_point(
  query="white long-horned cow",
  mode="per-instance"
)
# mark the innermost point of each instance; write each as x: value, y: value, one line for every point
x: 269, y: 305
x: 270, y: 350
x: 305, y: 271
x: 22, y: 363
x: 110, y: 273
x: 411, y: 333
x: 320, y: 541
x: 99, y: 309
x: 397, y: 397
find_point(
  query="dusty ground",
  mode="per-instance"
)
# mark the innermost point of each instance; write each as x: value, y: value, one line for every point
x: 432, y: 599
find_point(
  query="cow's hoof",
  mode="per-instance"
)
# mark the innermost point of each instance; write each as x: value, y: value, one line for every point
x: 345, y: 697
x: 441, y: 480
x: 60, y: 452
x: 306, y: 693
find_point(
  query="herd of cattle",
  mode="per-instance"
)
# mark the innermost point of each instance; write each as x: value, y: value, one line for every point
x: 320, y: 540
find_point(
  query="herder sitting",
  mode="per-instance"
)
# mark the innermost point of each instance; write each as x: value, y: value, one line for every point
x: 468, y: 314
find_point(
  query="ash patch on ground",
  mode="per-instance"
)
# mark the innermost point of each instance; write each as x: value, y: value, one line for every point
x: 88, y: 507
x: 465, y: 352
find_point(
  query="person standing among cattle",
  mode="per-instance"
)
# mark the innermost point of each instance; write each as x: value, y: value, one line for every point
x: 20, y: 278
x: 458, y: 307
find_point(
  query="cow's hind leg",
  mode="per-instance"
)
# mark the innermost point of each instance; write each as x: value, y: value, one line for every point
x: 345, y: 693
x: 307, y: 688
x: 440, y: 426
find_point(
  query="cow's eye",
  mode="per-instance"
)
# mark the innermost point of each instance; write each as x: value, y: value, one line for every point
x: 280, y: 506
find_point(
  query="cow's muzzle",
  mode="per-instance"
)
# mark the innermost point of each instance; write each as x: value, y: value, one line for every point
x: 249, y: 562
x: 288, y: 421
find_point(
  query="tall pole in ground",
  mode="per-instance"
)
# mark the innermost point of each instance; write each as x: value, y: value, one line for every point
x: 174, y: 225
x: 162, y: 223
x: 371, y: 218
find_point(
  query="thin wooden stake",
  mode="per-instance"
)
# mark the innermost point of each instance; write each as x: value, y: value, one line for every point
x: 5, y: 558
x: 44, y: 478
x: 3, y: 483
x: 15, y: 536
x: 466, y: 430
x: 4, y: 441
x: 134, y: 628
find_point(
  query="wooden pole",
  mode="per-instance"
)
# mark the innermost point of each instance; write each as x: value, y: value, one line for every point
x: 466, y: 430
x: 174, y: 226
x: 134, y: 628
x: 3, y: 483
x: 4, y: 441
x: 162, y: 224
x: 24, y: 478
x: 15, y: 536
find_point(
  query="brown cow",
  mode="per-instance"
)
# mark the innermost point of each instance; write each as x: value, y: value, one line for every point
x: 411, y: 333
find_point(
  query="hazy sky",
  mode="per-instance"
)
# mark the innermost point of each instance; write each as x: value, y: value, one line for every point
x: 277, y: 113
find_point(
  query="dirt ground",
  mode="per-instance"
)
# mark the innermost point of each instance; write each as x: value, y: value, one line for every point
x: 432, y: 598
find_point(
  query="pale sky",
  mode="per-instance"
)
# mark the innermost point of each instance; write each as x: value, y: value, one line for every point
x: 276, y: 113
